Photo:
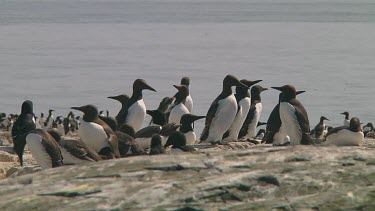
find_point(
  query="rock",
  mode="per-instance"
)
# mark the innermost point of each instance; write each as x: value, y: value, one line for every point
x: 258, y: 178
x: 6, y: 157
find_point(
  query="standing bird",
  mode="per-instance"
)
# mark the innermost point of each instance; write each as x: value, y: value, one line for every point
x: 243, y: 100
x: 22, y: 126
x: 49, y: 120
x: 44, y: 149
x: 187, y: 129
x: 294, y: 118
x: 134, y: 111
x: 41, y: 121
x: 222, y: 112
x: 346, y: 120
x: 156, y: 147
x: 351, y: 135
x: 179, y: 108
x: 273, y: 133
x: 189, y: 100
x: 96, y: 133
x: 320, y: 128
x: 248, y: 130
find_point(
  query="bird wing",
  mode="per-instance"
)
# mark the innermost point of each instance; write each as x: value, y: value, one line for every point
x: 248, y: 120
x: 23, y: 125
x: 148, y: 132
x: 303, y: 121
x: 209, y: 117
x: 274, y: 121
x: 76, y: 148
x: 336, y: 130
x: 52, y: 149
x: 110, y: 121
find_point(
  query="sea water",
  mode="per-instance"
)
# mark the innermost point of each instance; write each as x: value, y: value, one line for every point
x: 75, y: 52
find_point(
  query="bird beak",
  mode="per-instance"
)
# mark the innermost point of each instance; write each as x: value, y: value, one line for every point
x: 112, y: 97
x: 277, y: 88
x: 250, y: 83
x: 77, y: 108
x: 264, y: 89
x: 150, y: 112
x: 300, y: 92
x: 195, y: 118
x: 149, y: 87
x: 178, y: 87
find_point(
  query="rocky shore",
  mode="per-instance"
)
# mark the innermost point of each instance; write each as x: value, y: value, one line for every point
x: 238, y: 176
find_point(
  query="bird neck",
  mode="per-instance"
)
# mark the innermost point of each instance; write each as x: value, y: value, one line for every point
x: 184, y: 128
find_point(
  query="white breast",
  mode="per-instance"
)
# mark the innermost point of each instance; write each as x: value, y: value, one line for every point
x: 93, y: 135
x: 34, y: 143
x: 191, y: 138
x: 69, y: 159
x: 41, y: 122
x: 344, y: 138
x: 136, y: 115
x: 251, y: 131
x: 49, y: 123
x: 239, y: 119
x: 346, y: 122
x: 366, y: 129
x: 290, y: 124
x: 321, y: 136
x: 60, y: 128
x: 225, y: 114
x: 189, y: 103
x: 177, y: 112
x: 145, y: 143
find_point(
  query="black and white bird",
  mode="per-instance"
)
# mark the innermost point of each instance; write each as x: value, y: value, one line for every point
x: 143, y: 136
x: 320, y: 129
x: 120, y: 98
x: 127, y: 145
x: 346, y: 120
x: 178, y: 142
x: 189, y: 100
x: 179, y: 107
x: 294, y: 118
x: 248, y: 129
x: 24, y: 124
x: 49, y: 120
x: 273, y: 134
x: 351, y: 135
x: 44, y: 149
x: 134, y: 110
x: 369, y: 127
x: 222, y: 112
x: 74, y: 151
x: 187, y: 129
x: 157, y: 117
x: 41, y: 121
x: 243, y: 100
x: 96, y: 133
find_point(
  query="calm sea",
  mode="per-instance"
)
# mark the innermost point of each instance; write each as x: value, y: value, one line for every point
x: 72, y: 52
